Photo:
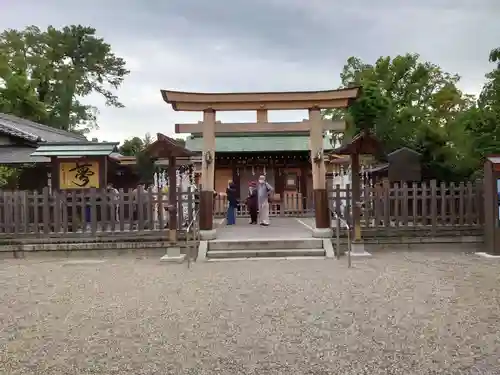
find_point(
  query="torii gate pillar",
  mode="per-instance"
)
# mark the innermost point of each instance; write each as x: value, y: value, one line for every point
x: 321, y: 211
x: 207, y: 231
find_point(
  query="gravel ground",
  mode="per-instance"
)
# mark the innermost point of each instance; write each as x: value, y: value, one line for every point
x: 405, y: 313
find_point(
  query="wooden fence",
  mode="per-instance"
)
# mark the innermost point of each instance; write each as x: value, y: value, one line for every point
x: 419, y: 205
x: 91, y: 211
x: 390, y: 206
x: 293, y: 205
x: 425, y: 205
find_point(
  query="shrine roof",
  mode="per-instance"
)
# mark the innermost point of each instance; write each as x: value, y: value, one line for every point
x: 75, y: 149
x: 257, y: 143
x: 165, y: 147
x: 34, y: 132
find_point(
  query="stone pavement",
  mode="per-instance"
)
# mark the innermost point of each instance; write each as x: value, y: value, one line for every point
x: 280, y: 228
x: 395, y: 313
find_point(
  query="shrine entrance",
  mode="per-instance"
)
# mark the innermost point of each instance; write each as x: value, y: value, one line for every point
x: 211, y: 103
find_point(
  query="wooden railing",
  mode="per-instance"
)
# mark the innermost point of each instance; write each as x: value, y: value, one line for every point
x: 290, y: 205
x: 92, y: 211
x: 96, y: 211
x: 420, y: 205
x: 391, y: 206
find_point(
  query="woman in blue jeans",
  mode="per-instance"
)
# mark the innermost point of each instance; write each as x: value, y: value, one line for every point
x: 232, y: 203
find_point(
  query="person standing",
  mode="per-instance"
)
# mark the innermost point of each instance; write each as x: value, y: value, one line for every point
x: 252, y: 202
x: 138, y: 194
x: 113, y: 200
x: 232, y: 203
x: 263, y: 192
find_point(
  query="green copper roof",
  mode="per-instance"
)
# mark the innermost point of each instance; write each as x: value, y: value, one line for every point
x: 256, y: 143
x: 76, y: 149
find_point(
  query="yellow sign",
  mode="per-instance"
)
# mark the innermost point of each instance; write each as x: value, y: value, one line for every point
x: 80, y: 174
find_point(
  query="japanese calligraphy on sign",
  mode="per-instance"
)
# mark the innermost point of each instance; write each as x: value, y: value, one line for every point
x: 80, y: 174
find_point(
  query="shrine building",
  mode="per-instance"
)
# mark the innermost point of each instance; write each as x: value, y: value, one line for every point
x: 284, y: 158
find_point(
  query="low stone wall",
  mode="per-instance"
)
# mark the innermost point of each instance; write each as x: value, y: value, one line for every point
x: 91, y: 249
x: 440, y: 243
x: 69, y: 237
x: 155, y: 243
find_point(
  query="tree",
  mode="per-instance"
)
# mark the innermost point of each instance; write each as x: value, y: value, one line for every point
x: 482, y: 121
x: 409, y: 103
x: 52, y: 71
x: 131, y: 147
x: 136, y: 147
x: 17, y: 96
x: 181, y: 141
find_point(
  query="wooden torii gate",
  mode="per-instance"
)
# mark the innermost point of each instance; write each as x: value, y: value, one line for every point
x: 211, y: 103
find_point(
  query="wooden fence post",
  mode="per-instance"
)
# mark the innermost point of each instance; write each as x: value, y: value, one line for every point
x: 414, y: 201
x: 387, y: 204
x: 469, y: 213
x: 404, y: 203
x: 46, y: 210
x: 443, y: 213
x: 57, y: 211
x: 396, y: 204
x: 433, y: 206
x: 93, y: 211
x: 452, y: 204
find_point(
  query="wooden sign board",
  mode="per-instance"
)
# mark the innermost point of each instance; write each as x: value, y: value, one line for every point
x: 79, y: 174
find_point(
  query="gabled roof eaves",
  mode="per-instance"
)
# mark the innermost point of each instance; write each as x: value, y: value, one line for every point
x: 252, y: 143
x: 14, y: 132
x: 34, y: 132
x: 76, y: 149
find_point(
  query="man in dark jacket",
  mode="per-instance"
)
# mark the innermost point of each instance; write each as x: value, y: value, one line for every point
x: 252, y: 202
x: 232, y: 203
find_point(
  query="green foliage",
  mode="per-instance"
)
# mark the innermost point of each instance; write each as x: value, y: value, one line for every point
x: 132, y: 146
x: 8, y: 177
x: 136, y: 147
x: 44, y: 75
x: 415, y: 104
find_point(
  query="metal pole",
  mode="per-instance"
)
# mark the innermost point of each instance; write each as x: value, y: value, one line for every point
x: 339, y: 221
x: 349, y: 264
x: 338, y: 236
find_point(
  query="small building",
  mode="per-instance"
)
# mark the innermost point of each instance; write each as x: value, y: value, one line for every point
x: 403, y: 165
x: 20, y: 139
x: 284, y: 158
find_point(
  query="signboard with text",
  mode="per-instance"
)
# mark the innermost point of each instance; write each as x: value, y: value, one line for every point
x: 79, y: 174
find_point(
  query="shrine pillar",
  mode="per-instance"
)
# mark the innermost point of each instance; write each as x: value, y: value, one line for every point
x: 356, y: 196
x: 321, y: 204
x: 207, y: 231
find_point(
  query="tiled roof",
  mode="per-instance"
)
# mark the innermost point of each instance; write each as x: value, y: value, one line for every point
x: 76, y: 149
x: 257, y: 143
x: 20, y: 155
x: 34, y: 132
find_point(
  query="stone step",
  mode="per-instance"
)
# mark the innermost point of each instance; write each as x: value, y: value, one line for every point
x: 263, y: 244
x: 268, y: 253
x: 265, y: 258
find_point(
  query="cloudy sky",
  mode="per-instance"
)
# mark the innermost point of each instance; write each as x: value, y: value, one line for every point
x: 252, y: 45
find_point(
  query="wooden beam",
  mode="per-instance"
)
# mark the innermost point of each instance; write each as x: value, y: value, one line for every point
x: 196, y: 101
x: 253, y: 106
x: 260, y: 127
x: 262, y: 115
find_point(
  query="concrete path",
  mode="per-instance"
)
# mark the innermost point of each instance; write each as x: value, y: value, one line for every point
x: 280, y: 228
